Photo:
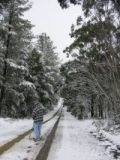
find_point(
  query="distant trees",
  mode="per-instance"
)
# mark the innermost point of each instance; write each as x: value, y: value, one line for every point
x: 76, y: 91
x: 44, y: 67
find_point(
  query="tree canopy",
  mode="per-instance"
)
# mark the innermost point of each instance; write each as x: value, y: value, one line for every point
x: 93, y: 77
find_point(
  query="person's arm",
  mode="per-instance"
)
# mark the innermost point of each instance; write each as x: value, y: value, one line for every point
x: 34, y: 114
x: 43, y: 109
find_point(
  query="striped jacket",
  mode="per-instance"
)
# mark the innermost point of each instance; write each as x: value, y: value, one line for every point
x: 38, y: 113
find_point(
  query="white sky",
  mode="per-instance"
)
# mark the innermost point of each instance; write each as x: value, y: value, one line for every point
x: 47, y: 16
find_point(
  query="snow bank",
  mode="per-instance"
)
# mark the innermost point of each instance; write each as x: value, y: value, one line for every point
x: 112, y: 133
x: 108, y: 136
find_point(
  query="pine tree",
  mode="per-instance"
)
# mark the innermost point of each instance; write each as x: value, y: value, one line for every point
x: 49, y: 78
x: 16, y: 41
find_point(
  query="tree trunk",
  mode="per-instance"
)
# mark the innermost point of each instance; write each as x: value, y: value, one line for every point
x: 92, y: 106
x: 6, y: 54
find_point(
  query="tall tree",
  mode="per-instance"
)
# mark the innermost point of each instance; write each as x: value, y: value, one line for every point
x: 16, y: 39
x: 96, y: 47
x: 44, y: 66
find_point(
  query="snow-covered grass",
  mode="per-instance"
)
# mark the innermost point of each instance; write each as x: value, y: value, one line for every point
x: 27, y: 149
x: 109, y: 133
x: 11, y: 128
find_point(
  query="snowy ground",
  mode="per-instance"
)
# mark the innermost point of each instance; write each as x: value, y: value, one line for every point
x: 26, y: 149
x: 11, y: 128
x: 73, y: 141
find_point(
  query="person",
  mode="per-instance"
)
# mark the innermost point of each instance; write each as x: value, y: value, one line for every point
x: 37, y: 115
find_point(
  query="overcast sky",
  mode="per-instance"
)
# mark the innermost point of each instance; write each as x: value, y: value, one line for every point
x: 47, y: 16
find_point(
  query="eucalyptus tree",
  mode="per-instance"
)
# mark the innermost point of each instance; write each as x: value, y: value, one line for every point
x: 95, y: 45
x: 90, y: 3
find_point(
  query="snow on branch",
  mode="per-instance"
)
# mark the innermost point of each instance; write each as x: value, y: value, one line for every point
x: 73, y: 71
x: 14, y: 65
x: 12, y: 33
x: 45, y: 94
x: 28, y: 84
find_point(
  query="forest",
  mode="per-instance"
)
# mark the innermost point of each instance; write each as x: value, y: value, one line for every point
x: 29, y: 64
x: 89, y: 83
x: 52, y: 109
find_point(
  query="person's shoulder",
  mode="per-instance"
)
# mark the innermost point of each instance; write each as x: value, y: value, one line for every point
x: 39, y: 105
x: 36, y: 105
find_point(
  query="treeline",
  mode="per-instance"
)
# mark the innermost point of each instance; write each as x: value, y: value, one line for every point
x: 28, y: 71
x: 92, y: 79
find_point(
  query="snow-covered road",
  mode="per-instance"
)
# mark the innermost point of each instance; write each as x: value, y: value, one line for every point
x: 73, y: 141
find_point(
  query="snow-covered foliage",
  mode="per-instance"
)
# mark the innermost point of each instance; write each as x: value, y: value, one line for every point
x: 12, y: 33
x: 28, y: 84
x: 13, y: 64
x: 15, y: 47
x: 28, y: 72
x: 45, y: 71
